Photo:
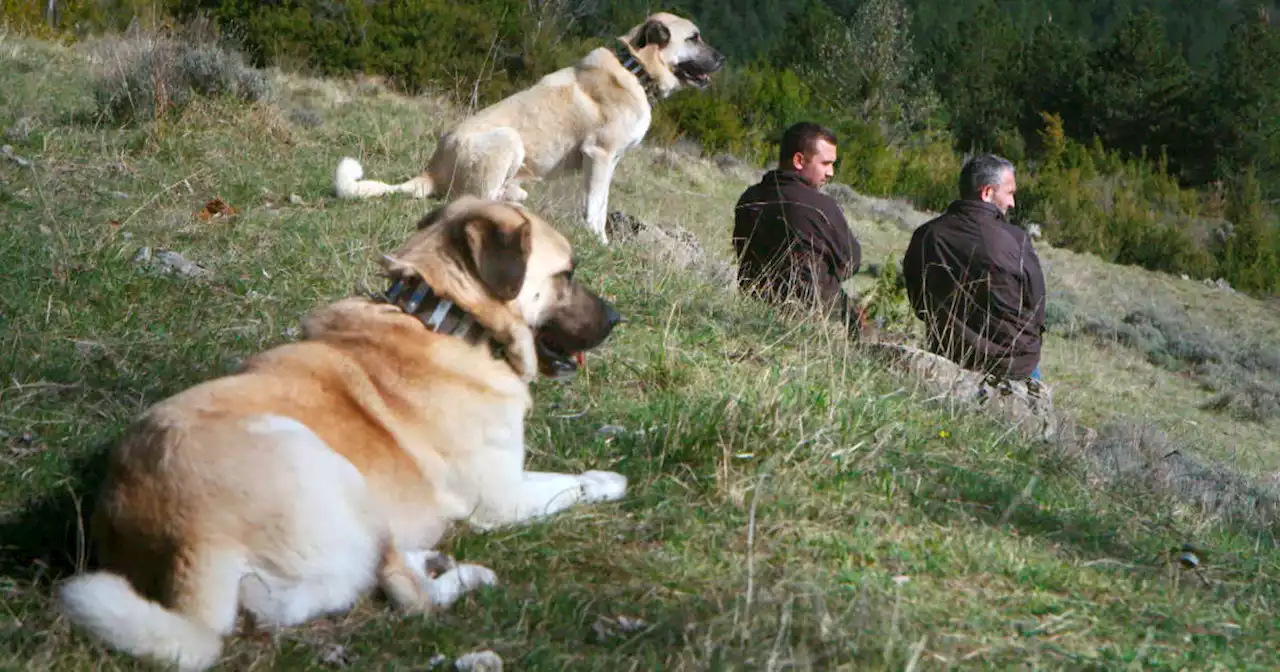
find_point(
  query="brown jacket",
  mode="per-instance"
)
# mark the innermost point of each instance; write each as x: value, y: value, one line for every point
x: 976, y: 282
x: 792, y: 239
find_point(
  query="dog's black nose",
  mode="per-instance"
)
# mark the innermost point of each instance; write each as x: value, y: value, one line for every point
x: 612, y: 316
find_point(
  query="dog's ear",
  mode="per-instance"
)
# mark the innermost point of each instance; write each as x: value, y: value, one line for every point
x: 653, y: 32
x: 431, y: 218
x: 500, y: 253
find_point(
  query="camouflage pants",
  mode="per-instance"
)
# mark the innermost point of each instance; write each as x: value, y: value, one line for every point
x: 1027, y: 403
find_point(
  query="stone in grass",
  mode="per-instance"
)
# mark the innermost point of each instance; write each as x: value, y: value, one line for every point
x: 479, y: 661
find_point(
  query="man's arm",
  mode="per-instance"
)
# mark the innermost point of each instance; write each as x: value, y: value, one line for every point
x: 913, y: 272
x: 822, y: 225
x: 1015, y: 294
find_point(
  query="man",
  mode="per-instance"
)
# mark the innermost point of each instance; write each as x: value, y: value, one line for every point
x: 974, y: 279
x: 791, y: 239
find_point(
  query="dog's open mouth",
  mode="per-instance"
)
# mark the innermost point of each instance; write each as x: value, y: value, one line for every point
x: 555, y: 364
x: 694, y: 74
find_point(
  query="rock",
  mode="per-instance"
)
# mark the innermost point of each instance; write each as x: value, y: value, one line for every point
x: 169, y: 262
x: 88, y: 349
x: 611, y: 430
x: 20, y: 129
x: 7, y: 151
x: 1028, y: 404
x: 672, y: 245
x: 336, y: 655
x: 479, y: 661
x: 174, y: 262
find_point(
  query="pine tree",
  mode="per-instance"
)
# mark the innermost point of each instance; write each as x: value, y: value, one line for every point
x: 1139, y: 91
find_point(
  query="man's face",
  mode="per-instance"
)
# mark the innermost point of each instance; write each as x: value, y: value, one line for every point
x: 818, y: 166
x: 1001, y: 195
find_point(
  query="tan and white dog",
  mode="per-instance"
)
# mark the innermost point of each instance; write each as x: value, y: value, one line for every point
x: 583, y: 117
x: 331, y: 466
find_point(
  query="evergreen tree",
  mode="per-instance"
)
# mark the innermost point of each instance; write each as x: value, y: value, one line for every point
x: 1140, y: 89
x: 976, y: 71
x: 1244, y: 102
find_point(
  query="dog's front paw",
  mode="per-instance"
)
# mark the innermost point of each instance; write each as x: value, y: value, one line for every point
x: 453, y: 584
x: 471, y: 577
x: 602, y: 486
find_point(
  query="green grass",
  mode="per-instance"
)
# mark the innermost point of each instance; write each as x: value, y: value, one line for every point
x: 792, y: 503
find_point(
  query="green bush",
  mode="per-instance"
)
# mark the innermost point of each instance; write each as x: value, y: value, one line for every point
x: 148, y: 77
x: 467, y: 48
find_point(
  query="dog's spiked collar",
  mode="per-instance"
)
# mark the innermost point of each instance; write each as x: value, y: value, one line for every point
x: 633, y: 65
x: 439, y: 314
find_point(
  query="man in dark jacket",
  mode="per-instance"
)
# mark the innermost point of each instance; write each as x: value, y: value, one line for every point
x: 976, y: 281
x: 792, y: 240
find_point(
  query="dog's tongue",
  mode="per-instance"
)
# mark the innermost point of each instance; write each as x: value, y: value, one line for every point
x: 582, y: 358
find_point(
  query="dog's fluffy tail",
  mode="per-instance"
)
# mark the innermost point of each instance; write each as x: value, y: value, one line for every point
x: 107, y: 606
x: 347, y: 183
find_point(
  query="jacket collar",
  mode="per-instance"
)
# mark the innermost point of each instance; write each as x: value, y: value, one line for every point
x: 975, y: 208
x: 784, y: 176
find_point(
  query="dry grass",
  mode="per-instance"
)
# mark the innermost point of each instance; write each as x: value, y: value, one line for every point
x: 793, y: 504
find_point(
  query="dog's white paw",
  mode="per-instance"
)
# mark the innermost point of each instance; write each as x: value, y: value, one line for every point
x: 602, y: 486
x: 445, y: 589
x: 475, y: 576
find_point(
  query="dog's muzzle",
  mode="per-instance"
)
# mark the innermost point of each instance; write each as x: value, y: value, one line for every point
x: 560, y: 353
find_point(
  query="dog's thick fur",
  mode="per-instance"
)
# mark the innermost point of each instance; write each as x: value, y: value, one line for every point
x: 583, y: 117
x: 331, y: 466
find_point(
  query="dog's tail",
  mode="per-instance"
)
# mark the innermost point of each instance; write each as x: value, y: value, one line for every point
x: 107, y: 606
x: 347, y: 183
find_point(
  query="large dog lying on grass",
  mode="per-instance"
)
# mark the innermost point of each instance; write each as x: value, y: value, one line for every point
x: 585, y: 116
x: 330, y: 466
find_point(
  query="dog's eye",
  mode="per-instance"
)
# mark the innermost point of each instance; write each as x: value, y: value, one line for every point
x: 695, y: 37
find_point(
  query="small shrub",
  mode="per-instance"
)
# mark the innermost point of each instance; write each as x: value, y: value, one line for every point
x: 1252, y: 401
x: 1139, y: 458
x: 150, y: 76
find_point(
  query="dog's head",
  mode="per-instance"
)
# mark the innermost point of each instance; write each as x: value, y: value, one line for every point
x: 514, y: 273
x: 679, y: 48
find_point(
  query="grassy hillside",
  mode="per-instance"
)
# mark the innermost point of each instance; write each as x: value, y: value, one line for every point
x: 793, y: 503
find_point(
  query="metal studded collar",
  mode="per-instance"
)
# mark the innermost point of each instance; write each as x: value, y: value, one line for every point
x: 438, y: 314
x: 635, y: 67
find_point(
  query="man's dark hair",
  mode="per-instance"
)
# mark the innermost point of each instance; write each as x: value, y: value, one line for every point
x: 980, y: 171
x: 802, y: 137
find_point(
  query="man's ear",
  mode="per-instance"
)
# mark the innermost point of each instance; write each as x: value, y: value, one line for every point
x: 500, y: 254
x: 653, y: 32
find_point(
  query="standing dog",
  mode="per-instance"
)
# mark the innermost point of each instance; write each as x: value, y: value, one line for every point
x: 330, y: 466
x: 583, y: 117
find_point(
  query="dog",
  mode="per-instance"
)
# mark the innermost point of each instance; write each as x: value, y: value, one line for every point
x: 583, y: 117
x: 330, y: 466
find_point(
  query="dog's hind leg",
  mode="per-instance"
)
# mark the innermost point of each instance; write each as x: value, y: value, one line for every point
x: 487, y: 165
